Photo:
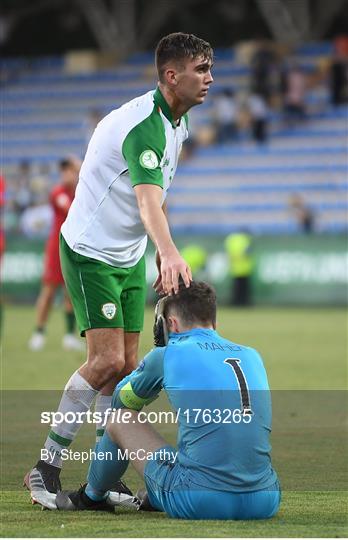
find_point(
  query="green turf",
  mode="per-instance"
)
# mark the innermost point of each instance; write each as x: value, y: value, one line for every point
x: 305, y: 352
x: 308, y: 516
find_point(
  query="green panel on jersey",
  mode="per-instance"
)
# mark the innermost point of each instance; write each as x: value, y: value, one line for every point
x: 143, y: 149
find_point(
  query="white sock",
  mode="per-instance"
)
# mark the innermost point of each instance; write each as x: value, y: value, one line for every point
x: 77, y: 398
x: 102, y: 403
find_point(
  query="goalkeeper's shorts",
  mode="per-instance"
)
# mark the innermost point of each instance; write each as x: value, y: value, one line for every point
x: 170, y: 489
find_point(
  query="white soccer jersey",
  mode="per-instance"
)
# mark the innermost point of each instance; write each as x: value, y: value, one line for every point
x: 139, y: 143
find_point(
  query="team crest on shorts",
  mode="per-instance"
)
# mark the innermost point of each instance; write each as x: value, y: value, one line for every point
x: 109, y: 310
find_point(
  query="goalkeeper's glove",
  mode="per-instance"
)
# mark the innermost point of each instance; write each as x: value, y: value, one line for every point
x: 160, y: 331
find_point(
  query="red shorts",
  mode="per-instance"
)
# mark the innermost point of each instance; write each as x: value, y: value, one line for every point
x: 52, y: 271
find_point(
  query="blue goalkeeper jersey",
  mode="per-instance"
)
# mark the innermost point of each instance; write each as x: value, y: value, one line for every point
x: 220, y: 393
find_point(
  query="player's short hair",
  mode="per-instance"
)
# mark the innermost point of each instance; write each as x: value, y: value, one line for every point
x: 195, y: 304
x: 179, y: 47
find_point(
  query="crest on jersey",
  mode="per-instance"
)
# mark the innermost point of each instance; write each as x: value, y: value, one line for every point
x: 148, y: 159
x: 109, y: 310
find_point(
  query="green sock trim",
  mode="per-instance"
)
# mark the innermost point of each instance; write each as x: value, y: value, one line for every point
x: 58, y: 439
x: 100, y: 432
x: 70, y: 322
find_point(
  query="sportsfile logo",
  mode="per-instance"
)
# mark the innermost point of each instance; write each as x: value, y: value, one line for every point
x: 121, y: 416
x: 116, y: 416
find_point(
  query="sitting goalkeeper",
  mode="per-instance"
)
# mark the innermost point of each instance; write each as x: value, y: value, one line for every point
x: 222, y: 468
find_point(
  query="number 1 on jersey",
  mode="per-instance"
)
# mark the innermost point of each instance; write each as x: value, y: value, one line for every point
x: 242, y: 383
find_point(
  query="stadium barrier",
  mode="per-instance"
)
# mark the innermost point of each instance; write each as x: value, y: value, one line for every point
x: 293, y: 270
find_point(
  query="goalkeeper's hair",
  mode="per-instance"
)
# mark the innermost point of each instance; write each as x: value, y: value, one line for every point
x: 194, y: 305
x: 179, y: 47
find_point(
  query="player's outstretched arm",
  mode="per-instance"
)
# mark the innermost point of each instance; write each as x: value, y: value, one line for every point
x: 157, y: 285
x: 173, y: 266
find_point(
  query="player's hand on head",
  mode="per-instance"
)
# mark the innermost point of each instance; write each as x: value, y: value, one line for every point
x: 172, y: 268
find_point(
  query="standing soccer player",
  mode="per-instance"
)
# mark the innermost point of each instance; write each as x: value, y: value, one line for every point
x: 61, y: 198
x: 120, y: 199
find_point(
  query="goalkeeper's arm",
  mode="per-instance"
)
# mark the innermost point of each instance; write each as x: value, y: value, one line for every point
x: 143, y: 385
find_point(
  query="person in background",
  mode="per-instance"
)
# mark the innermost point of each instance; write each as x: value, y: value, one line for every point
x: 338, y: 73
x: 258, y: 111
x: 294, y: 94
x: 241, y: 263
x: 303, y: 215
x: 40, y: 184
x: 36, y: 220
x: 22, y: 197
x: 225, y: 116
x: 264, y: 71
x: 61, y: 198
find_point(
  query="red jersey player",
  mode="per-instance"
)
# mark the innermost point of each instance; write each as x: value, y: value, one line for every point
x: 61, y: 198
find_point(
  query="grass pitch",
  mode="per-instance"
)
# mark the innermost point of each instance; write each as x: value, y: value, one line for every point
x: 305, y: 353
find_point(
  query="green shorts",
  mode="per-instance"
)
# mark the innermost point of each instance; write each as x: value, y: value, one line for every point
x: 104, y: 296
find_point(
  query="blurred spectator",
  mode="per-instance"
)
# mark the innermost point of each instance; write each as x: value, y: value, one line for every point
x: 338, y: 73
x: 22, y: 196
x: 200, y: 134
x: 303, y: 215
x: 27, y: 197
x: 31, y: 200
x: 258, y: 112
x: 241, y: 263
x: 40, y: 185
x: 225, y: 115
x: 35, y: 221
x: 264, y: 71
x: 294, y: 86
